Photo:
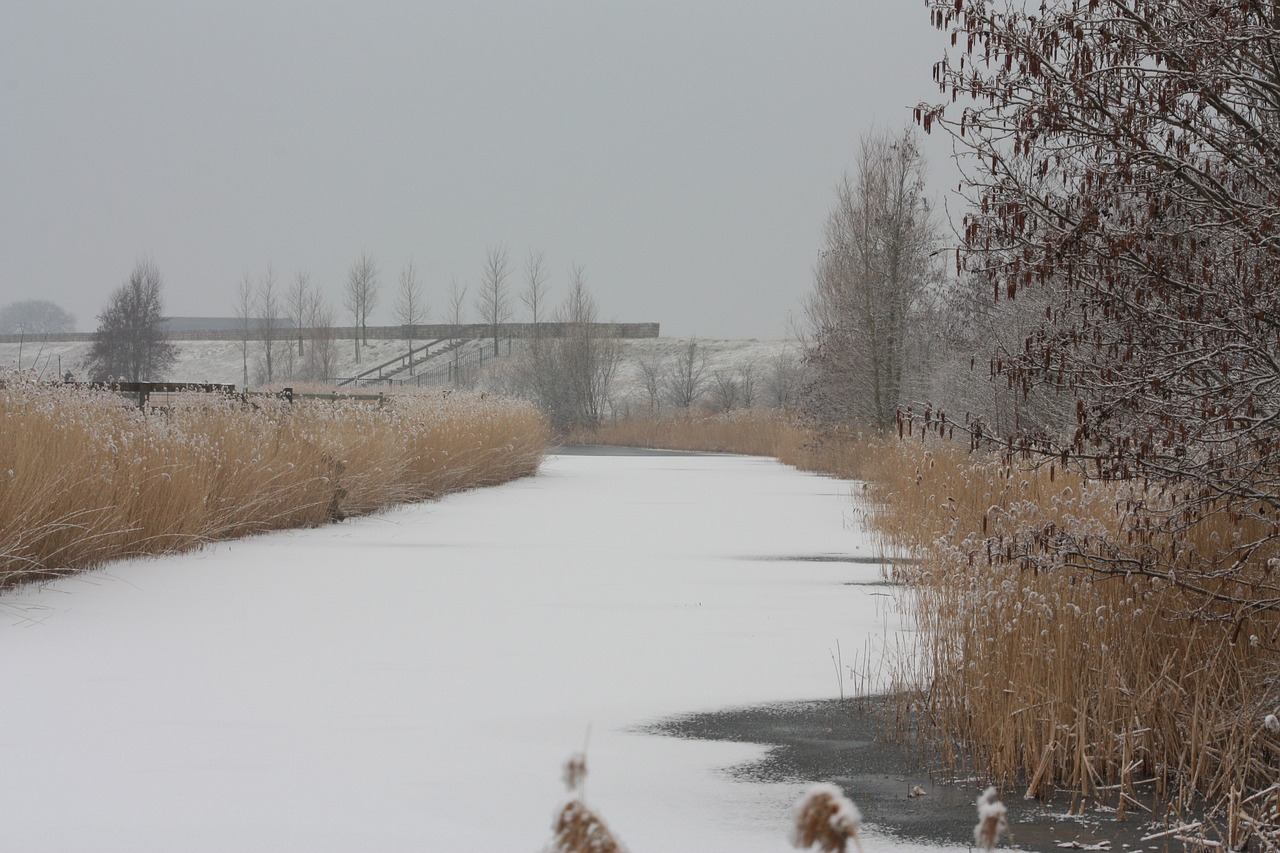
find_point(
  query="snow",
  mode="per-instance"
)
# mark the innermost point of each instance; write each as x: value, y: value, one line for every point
x: 222, y: 361
x: 197, y: 361
x: 416, y: 680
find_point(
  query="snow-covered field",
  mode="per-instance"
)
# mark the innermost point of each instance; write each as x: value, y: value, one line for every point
x: 198, y: 361
x: 415, y: 680
x: 222, y: 361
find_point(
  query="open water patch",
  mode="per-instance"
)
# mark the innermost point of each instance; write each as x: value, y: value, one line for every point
x: 897, y: 787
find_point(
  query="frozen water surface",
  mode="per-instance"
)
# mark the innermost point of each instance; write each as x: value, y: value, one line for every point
x: 415, y: 680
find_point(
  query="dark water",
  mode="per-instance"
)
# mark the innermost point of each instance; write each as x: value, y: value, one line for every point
x: 844, y: 743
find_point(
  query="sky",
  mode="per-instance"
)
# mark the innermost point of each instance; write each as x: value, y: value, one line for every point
x: 683, y: 153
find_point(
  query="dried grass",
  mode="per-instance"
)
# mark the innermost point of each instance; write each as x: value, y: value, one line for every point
x: 86, y: 478
x: 1114, y: 688
x: 750, y: 432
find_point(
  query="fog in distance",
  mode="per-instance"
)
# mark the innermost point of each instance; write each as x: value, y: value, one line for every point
x: 684, y: 153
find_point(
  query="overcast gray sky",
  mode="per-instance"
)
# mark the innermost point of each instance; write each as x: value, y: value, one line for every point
x: 684, y: 153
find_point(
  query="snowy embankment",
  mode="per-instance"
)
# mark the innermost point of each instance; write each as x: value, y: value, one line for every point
x: 414, y: 680
x: 223, y: 361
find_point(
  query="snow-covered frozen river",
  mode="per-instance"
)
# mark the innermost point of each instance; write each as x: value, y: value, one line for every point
x: 415, y: 680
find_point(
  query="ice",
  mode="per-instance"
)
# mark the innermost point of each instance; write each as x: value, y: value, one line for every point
x: 416, y: 680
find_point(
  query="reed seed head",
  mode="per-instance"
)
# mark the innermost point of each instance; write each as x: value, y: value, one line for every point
x: 580, y: 830
x: 992, y: 820
x: 575, y: 772
x: 825, y: 818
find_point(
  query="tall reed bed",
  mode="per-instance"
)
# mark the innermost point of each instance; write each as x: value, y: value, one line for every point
x: 750, y: 432
x: 1060, y: 675
x: 86, y: 478
x: 1068, y: 675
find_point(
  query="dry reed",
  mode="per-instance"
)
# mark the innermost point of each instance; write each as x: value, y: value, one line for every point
x: 992, y: 820
x: 577, y: 828
x: 1061, y: 675
x: 750, y: 432
x: 86, y: 478
x: 824, y: 818
x: 580, y: 830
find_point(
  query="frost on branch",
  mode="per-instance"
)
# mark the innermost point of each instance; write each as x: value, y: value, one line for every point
x: 825, y: 818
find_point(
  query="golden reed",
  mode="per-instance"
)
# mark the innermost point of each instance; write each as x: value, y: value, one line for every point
x: 86, y: 478
x: 1112, y: 688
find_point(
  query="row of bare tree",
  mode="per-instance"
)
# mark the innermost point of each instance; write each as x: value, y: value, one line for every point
x: 891, y: 330
x: 130, y: 341
x: 687, y: 380
x: 265, y: 311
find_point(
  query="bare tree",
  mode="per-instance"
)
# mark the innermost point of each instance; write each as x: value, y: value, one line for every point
x: 299, y: 301
x: 411, y: 308
x: 268, y: 306
x: 747, y: 385
x: 457, y: 306
x: 784, y: 381
x: 320, y: 361
x: 1121, y: 161
x: 572, y: 375
x: 970, y: 329
x: 592, y: 354
x: 35, y: 317
x: 725, y: 392
x: 130, y: 342
x: 493, y: 302
x: 362, y: 296
x: 685, y: 381
x: 457, y: 316
x: 244, y: 322
x: 535, y: 285
x: 653, y: 372
x: 877, y: 264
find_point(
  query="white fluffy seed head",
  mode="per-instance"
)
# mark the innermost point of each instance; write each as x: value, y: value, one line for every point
x: 825, y: 818
x: 992, y: 820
